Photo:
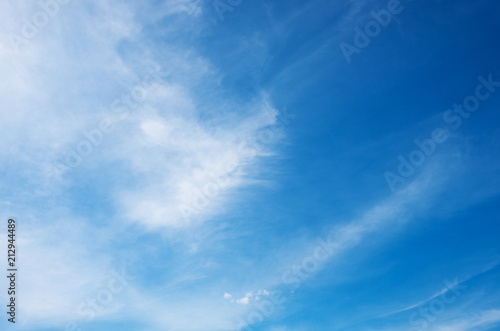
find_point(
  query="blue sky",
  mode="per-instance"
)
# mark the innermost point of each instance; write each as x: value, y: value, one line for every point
x: 238, y: 165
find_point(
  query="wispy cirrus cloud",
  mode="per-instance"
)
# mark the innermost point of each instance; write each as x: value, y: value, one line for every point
x: 156, y: 159
x: 161, y: 195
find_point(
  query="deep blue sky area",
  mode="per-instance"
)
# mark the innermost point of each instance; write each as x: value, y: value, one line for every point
x: 252, y: 165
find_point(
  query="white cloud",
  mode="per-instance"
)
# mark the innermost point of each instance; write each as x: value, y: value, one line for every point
x: 176, y: 158
x: 243, y: 301
x: 62, y: 83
